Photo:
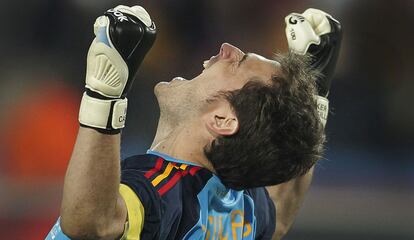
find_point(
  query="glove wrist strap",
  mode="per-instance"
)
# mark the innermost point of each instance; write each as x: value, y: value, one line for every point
x: 105, y: 115
x: 323, y: 108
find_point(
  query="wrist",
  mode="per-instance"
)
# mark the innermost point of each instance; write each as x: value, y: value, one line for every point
x: 105, y: 115
x: 323, y: 108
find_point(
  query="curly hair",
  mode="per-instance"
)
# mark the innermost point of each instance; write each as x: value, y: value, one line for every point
x: 280, y: 135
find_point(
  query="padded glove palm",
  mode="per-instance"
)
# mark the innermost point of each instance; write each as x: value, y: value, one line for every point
x: 124, y: 35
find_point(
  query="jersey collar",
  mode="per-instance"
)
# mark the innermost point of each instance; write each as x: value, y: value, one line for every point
x: 171, y: 159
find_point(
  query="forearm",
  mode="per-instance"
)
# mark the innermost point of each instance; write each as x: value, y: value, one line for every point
x: 317, y: 28
x: 92, y: 206
x: 288, y: 197
x: 91, y: 188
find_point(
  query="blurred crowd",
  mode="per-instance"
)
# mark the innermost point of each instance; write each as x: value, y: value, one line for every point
x: 370, y: 130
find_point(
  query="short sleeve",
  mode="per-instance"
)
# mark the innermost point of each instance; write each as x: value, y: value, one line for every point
x: 136, y: 213
x: 135, y: 181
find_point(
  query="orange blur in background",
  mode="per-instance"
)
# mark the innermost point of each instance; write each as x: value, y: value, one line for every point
x: 37, y: 141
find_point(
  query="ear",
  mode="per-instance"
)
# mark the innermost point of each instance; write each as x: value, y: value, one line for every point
x: 222, y: 120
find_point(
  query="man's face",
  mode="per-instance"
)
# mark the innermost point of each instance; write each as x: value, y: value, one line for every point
x: 229, y: 70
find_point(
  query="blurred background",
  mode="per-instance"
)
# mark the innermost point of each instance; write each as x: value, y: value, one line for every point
x: 363, y: 189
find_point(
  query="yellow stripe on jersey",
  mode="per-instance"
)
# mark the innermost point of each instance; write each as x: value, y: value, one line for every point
x: 183, y: 166
x: 136, y: 213
x: 164, y: 175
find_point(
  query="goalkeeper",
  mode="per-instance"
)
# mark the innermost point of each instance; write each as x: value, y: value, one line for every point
x: 234, y: 144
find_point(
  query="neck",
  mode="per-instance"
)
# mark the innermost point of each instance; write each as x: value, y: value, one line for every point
x: 180, y: 142
x: 164, y: 130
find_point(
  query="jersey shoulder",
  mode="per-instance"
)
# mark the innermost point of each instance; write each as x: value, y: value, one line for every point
x: 163, y: 174
x: 265, y: 212
x: 167, y: 189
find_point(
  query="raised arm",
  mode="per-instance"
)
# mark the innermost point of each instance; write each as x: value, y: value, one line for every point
x: 288, y: 197
x: 92, y: 206
x: 319, y: 34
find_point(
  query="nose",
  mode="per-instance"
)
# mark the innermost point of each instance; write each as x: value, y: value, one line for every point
x: 228, y: 51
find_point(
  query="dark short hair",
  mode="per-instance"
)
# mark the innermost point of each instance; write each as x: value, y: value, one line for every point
x: 280, y: 136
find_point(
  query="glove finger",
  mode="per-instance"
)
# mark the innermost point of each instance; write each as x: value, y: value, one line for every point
x: 300, y: 34
x: 100, y: 23
x: 318, y: 20
x: 136, y: 11
x: 142, y: 14
x: 100, y: 29
x: 314, y: 11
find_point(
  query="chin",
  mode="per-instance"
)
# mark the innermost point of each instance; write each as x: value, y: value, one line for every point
x: 164, y: 93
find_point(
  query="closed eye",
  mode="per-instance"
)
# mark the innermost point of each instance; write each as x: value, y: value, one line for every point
x: 244, y: 58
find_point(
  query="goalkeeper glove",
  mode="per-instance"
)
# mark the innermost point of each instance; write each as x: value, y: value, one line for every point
x: 319, y: 34
x: 124, y: 35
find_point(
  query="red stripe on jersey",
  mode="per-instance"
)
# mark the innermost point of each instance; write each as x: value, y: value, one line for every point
x: 194, y: 170
x: 171, y: 183
x: 157, y: 168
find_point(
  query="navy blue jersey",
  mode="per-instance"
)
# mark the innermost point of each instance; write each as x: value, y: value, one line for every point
x: 185, y: 201
x: 172, y: 199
